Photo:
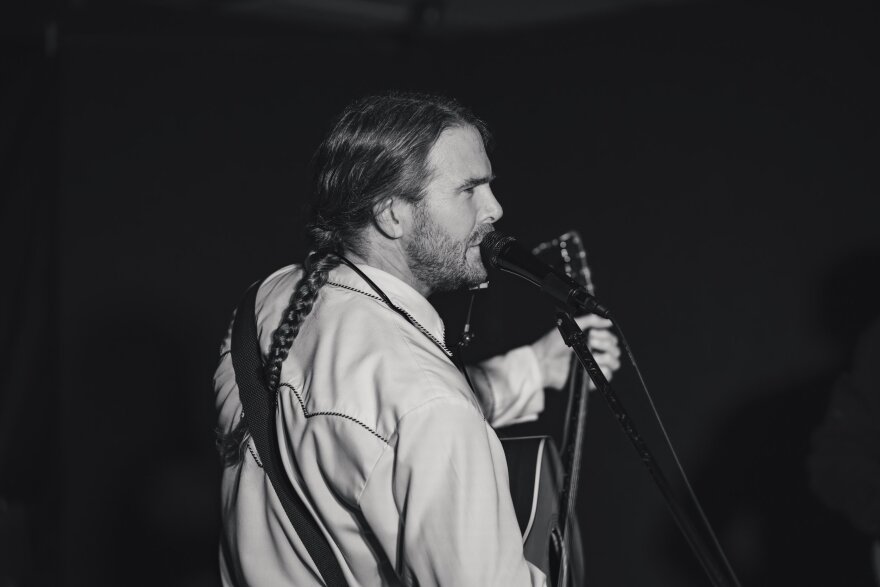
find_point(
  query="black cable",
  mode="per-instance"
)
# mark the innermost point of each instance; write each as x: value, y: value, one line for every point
x: 691, y: 494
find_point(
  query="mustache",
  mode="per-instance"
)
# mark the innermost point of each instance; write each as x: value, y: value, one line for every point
x: 480, y: 233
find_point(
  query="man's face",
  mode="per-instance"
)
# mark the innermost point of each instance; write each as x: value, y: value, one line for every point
x: 456, y: 213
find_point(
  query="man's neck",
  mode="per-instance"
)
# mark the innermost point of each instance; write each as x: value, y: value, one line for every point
x: 391, y: 262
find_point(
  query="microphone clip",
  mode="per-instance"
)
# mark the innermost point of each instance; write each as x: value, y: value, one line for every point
x: 569, y: 329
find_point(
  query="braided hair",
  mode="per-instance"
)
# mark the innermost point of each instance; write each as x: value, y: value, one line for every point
x: 377, y: 149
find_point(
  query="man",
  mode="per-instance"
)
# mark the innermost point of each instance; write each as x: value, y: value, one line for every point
x: 380, y: 433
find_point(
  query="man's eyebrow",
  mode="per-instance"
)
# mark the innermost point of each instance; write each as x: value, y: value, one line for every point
x: 476, y: 181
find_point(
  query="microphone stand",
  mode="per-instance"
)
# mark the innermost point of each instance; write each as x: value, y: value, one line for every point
x: 712, y: 559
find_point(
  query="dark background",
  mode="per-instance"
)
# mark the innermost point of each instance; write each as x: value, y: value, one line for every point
x: 718, y: 158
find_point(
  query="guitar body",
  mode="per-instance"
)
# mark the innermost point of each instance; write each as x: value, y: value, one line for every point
x: 536, y: 477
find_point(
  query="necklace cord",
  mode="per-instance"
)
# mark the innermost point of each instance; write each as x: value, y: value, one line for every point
x: 459, y: 364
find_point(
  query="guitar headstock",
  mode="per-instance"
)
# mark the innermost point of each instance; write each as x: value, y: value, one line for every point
x: 567, y: 252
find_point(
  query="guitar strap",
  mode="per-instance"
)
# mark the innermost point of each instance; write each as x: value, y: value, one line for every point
x: 259, y: 413
x: 258, y: 403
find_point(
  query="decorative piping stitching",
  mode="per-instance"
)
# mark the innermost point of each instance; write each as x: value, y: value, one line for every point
x: 369, y: 295
x: 253, y: 453
x: 250, y: 447
x: 415, y: 322
x: 424, y: 331
x: 340, y: 414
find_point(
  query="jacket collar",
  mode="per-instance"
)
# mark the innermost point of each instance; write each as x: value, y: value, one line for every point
x: 401, y: 294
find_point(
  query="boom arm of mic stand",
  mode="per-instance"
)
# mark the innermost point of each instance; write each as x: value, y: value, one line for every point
x: 713, y: 563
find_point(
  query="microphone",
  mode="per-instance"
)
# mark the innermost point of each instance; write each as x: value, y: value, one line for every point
x: 504, y: 253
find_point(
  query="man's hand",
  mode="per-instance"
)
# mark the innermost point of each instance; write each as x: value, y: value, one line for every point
x: 555, y: 358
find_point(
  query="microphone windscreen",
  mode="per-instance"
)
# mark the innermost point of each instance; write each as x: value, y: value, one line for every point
x: 492, y: 245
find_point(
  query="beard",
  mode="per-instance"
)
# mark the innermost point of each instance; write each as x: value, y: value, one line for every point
x: 440, y: 261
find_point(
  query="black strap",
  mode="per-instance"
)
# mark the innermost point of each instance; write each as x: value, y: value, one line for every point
x: 259, y: 414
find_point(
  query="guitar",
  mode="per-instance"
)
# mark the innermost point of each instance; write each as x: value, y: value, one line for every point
x: 544, y: 484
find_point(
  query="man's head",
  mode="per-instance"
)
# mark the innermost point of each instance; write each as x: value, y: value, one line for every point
x: 401, y: 182
x: 456, y: 212
x: 406, y: 176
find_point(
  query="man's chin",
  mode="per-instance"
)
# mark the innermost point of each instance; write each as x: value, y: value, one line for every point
x: 473, y: 277
x: 476, y: 275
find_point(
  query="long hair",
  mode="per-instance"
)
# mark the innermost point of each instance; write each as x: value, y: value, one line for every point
x: 377, y: 149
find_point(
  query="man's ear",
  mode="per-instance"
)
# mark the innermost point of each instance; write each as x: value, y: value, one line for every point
x: 390, y: 216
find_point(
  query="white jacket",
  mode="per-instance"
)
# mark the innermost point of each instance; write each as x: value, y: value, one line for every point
x: 384, y: 441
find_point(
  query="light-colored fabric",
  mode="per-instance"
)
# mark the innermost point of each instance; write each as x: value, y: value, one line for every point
x: 384, y: 441
x: 510, y: 387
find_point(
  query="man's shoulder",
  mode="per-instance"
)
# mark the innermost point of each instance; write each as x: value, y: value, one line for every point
x: 277, y: 288
x: 383, y: 366
x: 370, y: 332
x: 276, y: 291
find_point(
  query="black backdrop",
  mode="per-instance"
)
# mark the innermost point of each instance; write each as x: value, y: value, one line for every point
x: 718, y: 160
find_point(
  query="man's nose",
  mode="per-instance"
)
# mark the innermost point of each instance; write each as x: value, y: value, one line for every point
x: 493, y: 209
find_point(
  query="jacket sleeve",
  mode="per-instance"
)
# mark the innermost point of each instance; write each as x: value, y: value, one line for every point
x: 458, y: 525
x: 509, y: 387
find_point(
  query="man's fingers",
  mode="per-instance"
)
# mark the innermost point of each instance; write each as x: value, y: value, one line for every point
x: 607, y: 344
x: 602, y: 332
x: 612, y: 353
x: 602, y: 335
x: 593, y: 321
x: 607, y: 362
x: 606, y: 351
